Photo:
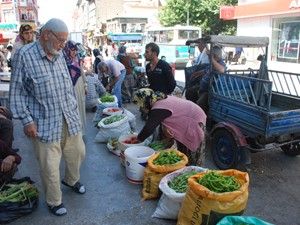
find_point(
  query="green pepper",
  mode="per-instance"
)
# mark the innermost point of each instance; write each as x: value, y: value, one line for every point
x: 219, y: 183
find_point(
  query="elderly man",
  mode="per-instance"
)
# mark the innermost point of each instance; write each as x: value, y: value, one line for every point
x: 116, y: 72
x: 42, y: 97
x: 202, y: 57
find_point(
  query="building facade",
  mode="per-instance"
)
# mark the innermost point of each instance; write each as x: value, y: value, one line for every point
x: 14, y: 13
x: 277, y: 19
x: 97, y: 18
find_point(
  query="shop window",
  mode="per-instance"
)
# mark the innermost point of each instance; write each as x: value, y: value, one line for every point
x: 286, y: 40
x: 124, y: 27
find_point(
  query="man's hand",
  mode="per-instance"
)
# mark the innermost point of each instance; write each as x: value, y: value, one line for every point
x: 7, y: 163
x: 108, y: 88
x: 30, y: 130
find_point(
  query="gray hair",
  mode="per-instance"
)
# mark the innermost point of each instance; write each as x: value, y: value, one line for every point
x: 217, y: 51
x: 55, y: 25
x: 101, y: 65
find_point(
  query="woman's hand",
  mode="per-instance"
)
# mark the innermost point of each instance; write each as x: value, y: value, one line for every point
x: 167, y: 133
x: 7, y: 163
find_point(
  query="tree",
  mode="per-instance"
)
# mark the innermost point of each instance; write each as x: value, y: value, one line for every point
x: 203, y: 13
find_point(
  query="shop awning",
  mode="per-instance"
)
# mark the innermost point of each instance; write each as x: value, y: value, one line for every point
x: 125, y: 37
x: 8, y: 26
x: 264, y: 8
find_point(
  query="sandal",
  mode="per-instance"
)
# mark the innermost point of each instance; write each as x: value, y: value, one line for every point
x: 77, y: 187
x: 59, y: 210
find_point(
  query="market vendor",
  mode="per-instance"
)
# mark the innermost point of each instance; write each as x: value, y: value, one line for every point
x: 116, y: 72
x: 8, y: 157
x: 199, y: 92
x: 9, y: 160
x: 181, y: 119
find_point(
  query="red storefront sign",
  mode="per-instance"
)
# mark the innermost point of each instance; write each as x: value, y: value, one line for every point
x: 263, y: 8
x: 227, y: 12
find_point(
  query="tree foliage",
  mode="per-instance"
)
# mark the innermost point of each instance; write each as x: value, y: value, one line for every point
x: 203, y: 13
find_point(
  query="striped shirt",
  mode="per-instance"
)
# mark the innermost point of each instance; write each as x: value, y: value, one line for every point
x: 41, y: 91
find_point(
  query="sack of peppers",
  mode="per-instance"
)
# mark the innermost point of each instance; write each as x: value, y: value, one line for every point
x: 159, y: 165
x: 112, y: 121
x: 18, y: 198
x: 212, y: 195
x: 173, y: 187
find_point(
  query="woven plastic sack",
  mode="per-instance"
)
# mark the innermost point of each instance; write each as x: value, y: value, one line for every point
x: 170, y: 201
x: 249, y: 220
x: 204, y: 207
x: 154, y: 173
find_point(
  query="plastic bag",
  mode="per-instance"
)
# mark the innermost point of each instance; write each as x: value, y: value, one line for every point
x: 104, y: 134
x: 109, y: 104
x: 10, y: 211
x: 170, y: 202
x: 114, y: 124
x: 247, y: 220
x: 131, y: 119
x: 112, y: 111
x: 101, y: 106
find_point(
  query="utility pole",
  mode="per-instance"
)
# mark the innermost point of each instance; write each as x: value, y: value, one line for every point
x: 188, y: 13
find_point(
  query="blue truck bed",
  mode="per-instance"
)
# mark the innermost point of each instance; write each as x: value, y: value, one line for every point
x: 253, y: 105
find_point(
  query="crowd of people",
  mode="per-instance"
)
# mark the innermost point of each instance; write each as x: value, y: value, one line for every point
x: 50, y: 92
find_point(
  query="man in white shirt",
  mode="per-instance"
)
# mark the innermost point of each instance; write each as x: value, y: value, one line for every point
x: 202, y: 57
x: 116, y: 72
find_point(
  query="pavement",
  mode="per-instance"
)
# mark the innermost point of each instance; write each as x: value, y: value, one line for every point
x: 274, y: 193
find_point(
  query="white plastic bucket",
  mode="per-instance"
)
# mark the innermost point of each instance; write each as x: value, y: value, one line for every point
x: 123, y: 146
x: 136, y: 158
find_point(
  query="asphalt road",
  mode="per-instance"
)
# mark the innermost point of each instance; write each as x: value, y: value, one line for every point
x: 274, y: 193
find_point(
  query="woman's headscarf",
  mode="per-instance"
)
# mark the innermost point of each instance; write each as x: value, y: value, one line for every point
x: 73, y: 64
x: 146, y: 97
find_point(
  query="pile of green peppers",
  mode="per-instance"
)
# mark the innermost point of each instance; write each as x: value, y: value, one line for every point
x: 107, y: 98
x: 159, y: 145
x: 219, y: 183
x: 180, y: 183
x: 113, y: 119
x: 165, y: 158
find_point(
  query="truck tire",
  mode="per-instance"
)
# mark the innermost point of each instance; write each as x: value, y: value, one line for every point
x: 225, y: 150
x: 291, y: 149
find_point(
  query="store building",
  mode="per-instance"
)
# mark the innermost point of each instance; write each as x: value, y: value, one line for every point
x: 277, y: 19
x: 14, y: 13
x: 97, y: 18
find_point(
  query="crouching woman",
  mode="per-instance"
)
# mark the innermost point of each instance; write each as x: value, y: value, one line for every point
x: 8, y: 163
x: 181, y: 119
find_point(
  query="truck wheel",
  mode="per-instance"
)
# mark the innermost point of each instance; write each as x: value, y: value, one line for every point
x: 224, y: 149
x: 291, y: 149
